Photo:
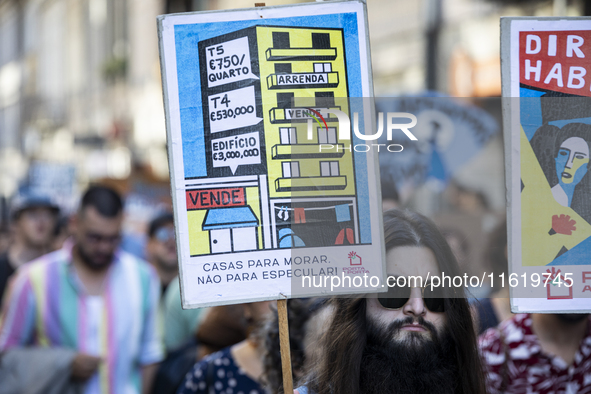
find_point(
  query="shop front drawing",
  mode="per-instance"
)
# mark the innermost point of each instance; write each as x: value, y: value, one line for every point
x: 231, y: 229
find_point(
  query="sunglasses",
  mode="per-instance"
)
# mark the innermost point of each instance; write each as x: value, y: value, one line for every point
x: 397, y: 297
x: 98, y: 238
x: 164, y: 234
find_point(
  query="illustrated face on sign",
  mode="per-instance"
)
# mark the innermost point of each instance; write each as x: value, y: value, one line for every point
x: 572, y: 161
x: 405, y: 312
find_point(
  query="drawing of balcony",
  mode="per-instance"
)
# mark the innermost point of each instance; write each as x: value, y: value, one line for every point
x: 282, y: 50
x: 298, y: 184
x: 307, y: 151
x: 300, y: 54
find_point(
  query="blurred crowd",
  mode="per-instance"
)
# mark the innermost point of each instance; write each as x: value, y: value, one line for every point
x: 82, y: 315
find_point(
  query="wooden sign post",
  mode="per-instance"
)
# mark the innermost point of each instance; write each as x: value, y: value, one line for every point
x: 284, y: 346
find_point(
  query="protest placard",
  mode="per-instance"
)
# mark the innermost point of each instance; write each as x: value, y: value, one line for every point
x: 267, y: 190
x: 546, y: 93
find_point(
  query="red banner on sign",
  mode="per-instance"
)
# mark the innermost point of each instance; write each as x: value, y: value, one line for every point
x: 215, y: 198
x: 556, y: 60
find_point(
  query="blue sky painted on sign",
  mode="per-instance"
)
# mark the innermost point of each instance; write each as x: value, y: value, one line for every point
x: 189, y: 82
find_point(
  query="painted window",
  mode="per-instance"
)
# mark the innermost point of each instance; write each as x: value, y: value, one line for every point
x: 288, y: 135
x: 291, y: 169
x: 322, y: 67
x: 327, y: 136
x: 329, y: 168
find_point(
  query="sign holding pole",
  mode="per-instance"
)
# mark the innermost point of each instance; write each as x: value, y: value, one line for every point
x: 271, y: 197
x: 284, y: 346
x: 547, y: 96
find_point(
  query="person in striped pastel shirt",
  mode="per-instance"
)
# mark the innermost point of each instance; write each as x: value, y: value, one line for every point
x: 93, y: 298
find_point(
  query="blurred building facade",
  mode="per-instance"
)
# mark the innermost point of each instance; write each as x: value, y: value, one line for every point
x: 80, y: 79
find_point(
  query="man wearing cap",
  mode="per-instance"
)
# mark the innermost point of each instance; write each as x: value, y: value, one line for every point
x: 33, y: 218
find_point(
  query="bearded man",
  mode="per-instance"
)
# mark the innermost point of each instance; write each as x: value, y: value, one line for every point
x: 410, y: 340
x: 92, y: 300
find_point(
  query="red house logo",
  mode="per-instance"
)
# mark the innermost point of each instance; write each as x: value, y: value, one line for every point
x: 354, y: 259
x: 557, y: 287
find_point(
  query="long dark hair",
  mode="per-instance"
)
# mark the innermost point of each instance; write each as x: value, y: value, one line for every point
x: 299, y: 312
x: 546, y: 143
x: 345, y: 340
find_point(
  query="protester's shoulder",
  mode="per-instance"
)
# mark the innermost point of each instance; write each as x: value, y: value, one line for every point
x: 516, y: 328
x: 220, y: 357
x: 587, y: 339
x: 40, y: 265
x: 508, y: 331
x: 172, y: 300
x: 137, y: 264
x: 35, y: 272
x: 216, y: 360
x: 196, y: 380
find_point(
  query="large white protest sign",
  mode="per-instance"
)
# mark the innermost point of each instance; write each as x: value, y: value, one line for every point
x: 547, y: 142
x: 263, y: 208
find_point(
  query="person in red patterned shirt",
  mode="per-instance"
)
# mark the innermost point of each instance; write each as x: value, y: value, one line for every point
x: 539, y: 353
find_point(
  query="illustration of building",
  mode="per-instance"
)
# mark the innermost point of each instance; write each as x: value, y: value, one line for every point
x: 301, y: 183
x: 311, y: 177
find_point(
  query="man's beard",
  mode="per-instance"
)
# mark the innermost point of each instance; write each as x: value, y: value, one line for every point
x: 572, y: 318
x: 95, y: 263
x: 417, y: 364
x: 165, y: 265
